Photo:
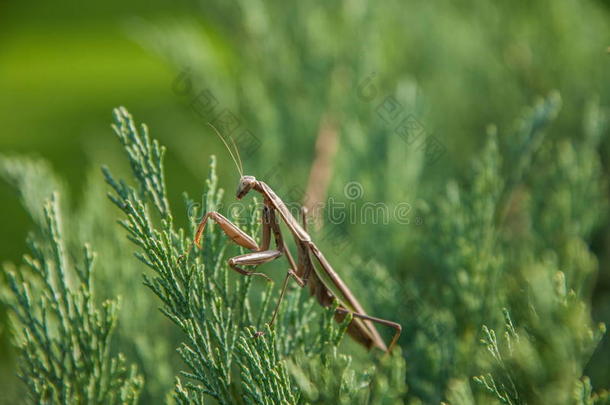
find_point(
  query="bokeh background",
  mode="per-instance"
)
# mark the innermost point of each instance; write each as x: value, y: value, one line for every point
x: 286, y: 71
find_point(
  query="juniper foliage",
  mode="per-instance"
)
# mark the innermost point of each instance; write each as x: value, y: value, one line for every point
x: 300, y: 363
x: 522, y: 292
x: 63, y: 337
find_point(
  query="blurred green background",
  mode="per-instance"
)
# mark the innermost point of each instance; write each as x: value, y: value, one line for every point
x: 457, y: 66
x: 60, y: 61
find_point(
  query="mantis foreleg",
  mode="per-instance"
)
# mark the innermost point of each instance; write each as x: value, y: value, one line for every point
x: 237, y: 235
x: 261, y: 255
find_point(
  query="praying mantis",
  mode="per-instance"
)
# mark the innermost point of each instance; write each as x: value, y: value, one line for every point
x: 311, y: 268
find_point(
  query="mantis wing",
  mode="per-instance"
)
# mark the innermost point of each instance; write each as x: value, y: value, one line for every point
x: 362, y: 330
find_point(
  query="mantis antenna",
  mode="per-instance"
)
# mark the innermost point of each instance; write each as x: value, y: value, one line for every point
x: 239, y: 168
x: 241, y: 164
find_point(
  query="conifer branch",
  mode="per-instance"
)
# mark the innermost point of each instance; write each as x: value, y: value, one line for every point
x: 63, y: 337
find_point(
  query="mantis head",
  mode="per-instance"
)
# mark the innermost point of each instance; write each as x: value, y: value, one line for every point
x: 245, y: 185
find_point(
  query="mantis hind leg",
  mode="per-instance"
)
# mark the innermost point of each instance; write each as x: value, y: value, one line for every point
x: 397, y: 328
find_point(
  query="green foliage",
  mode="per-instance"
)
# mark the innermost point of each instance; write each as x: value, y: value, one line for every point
x: 501, y: 250
x: 62, y: 336
x: 517, y: 364
x: 516, y: 275
x: 115, y: 272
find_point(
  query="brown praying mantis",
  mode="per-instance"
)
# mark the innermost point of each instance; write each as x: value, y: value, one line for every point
x: 311, y: 268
